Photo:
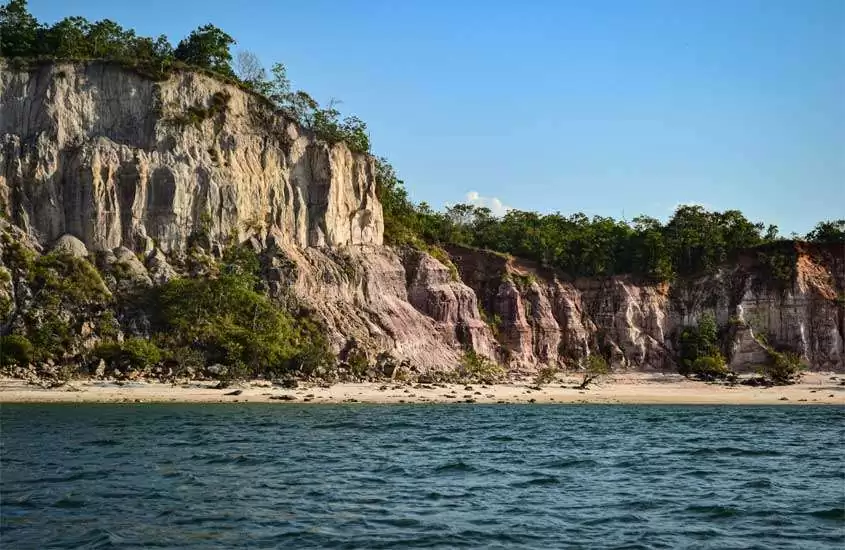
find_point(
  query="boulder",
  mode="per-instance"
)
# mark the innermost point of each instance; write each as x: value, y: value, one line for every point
x: 68, y: 244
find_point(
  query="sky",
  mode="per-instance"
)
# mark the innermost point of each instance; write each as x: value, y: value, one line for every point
x: 612, y: 108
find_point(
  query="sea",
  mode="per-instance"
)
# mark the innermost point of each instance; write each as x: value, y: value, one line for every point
x: 421, y: 476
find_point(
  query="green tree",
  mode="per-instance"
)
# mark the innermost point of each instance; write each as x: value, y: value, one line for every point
x: 235, y: 325
x: 700, y: 353
x: 135, y: 353
x: 278, y: 89
x: 354, y: 131
x: 302, y: 107
x: 18, y: 30
x: 107, y: 39
x: 207, y: 47
x: 784, y: 367
x: 16, y: 350
x: 651, y: 253
x: 831, y: 231
x: 68, y: 38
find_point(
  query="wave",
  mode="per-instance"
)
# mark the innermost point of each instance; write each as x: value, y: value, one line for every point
x: 458, y: 466
x: 715, y: 511
x: 503, y: 438
x: 68, y: 501
x: 836, y: 514
x: 724, y: 451
x: 758, y: 484
x: 542, y: 481
x: 570, y: 463
x: 103, y: 443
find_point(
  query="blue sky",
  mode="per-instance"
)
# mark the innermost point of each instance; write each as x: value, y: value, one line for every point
x: 608, y: 107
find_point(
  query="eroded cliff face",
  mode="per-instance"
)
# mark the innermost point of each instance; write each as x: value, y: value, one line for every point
x: 99, y: 161
x: 404, y: 302
x: 116, y: 159
x: 544, y: 317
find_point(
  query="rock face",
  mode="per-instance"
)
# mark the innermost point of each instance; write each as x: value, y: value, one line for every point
x: 543, y: 317
x: 115, y: 159
x: 100, y: 162
x: 405, y: 303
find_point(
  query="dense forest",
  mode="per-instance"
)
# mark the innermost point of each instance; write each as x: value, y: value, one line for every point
x: 694, y: 240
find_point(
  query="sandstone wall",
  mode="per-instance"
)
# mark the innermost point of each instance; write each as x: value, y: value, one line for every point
x: 116, y: 159
x: 545, y: 317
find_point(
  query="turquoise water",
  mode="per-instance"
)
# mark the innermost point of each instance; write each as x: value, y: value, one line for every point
x: 416, y: 476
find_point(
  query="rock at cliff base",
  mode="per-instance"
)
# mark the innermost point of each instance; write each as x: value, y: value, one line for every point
x: 160, y: 270
x: 68, y: 244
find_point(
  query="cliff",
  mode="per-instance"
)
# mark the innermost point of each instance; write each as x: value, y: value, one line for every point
x: 101, y: 156
x: 103, y: 162
x: 116, y: 159
x: 546, y: 317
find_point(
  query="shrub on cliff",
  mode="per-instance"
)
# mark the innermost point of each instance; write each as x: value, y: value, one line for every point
x: 229, y: 321
x: 710, y: 367
x: 208, y: 47
x: 546, y: 375
x: 831, y: 231
x: 134, y: 353
x: 233, y: 324
x: 62, y: 279
x: 700, y: 355
x: 16, y: 350
x: 66, y: 293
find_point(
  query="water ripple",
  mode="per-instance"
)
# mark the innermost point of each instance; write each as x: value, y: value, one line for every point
x: 434, y: 476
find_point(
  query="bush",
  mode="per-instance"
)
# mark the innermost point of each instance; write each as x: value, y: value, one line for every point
x: 228, y: 320
x: 67, y: 292
x: 493, y: 321
x: 66, y: 280
x: 141, y: 353
x: 358, y: 362
x: 313, y: 356
x: 134, y: 353
x: 239, y: 327
x: 700, y: 354
x: 16, y: 350
x: 545, y: 375
x: 480, y: 369
x: 595, y: 368
x: 784, y: 367
x: 185, y: 360
x: 710, y: 367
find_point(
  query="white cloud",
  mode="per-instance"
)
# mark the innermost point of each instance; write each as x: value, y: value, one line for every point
x: 495, y: 205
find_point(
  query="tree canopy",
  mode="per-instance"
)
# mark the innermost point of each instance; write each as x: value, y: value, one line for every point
x: 207, y: 47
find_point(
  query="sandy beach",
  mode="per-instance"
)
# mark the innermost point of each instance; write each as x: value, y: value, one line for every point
x: 815, y: 388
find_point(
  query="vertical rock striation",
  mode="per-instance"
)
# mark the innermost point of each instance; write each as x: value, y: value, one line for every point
x: 544, y: 317
x: 116, y: 159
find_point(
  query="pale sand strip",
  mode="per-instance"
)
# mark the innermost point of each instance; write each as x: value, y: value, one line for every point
x: 815, y: 388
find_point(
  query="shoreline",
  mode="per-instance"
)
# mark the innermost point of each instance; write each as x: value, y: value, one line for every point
x: 632, y: 389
